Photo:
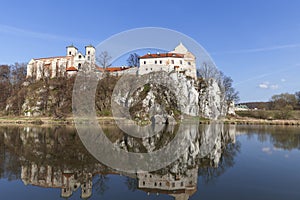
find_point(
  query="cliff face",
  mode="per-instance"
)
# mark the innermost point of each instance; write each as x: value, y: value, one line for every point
x: 177, y: 96
x: 147, y: 100
x: 211, y: 101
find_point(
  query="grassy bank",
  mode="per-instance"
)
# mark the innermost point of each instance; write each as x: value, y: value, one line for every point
x: 47, y: 120
x: 270, y: 114
x: 251, y: 121
x: 12, y: 120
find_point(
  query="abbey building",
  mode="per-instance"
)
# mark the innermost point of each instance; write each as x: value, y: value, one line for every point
x: 179, y: 60
x: 69, y: 64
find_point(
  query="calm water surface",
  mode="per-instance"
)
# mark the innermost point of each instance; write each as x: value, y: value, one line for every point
x: 223, y: 162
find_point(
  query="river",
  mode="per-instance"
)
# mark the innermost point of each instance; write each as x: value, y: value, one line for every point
x: 223, y: 162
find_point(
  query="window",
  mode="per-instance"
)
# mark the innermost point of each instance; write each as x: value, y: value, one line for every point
x: 173, y: 184
x: 181, y: 184
x: 189, y: 63
x: 79, y: 65
x: 155, y: 62
x: 89, y: 58
x: 146, y: 69
x: 155, y: 184
x: 151, y: 69
x: 70, y: 52
x: 89, y: 52
x: 160, y: 62
x: 143, y: 182
x: 79, y: 56
x: 172, y: 61
x: 181, y: 62
x: 145, y: 62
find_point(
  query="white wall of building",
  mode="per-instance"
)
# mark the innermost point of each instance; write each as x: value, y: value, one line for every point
x: 57, y: 66
x: 179, y: 60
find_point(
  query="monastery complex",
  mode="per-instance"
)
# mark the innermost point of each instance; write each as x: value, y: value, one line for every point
x: 179, y: 60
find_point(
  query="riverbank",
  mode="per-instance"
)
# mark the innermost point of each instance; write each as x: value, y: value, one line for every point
x: 250, y: 121
x: 47, y: 120
x: 110, y: 120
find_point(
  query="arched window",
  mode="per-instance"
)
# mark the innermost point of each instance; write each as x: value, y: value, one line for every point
x: 79, y: 65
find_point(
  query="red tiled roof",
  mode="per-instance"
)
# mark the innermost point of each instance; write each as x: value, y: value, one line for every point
x: 51, y: 58
x: 71, y: 69
x: 163, y: 55
x: 113, y: 69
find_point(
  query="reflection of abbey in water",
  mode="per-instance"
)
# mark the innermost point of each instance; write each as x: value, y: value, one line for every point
x: 49, y: 177
x: 55, y: 158
x: 180, y: 186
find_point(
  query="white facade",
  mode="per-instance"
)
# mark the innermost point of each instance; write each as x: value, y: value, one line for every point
x: 179, y: 60
x: 61, y: 65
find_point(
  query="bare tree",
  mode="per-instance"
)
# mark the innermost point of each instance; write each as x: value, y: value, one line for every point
x: 5, y: 86
x: 133, y: 60
x: 282, y: 100
x: 18, y: 74
x: 17, y: 94
x: 230, y: 94
x: 297, y: 94
x: 208, y: 71
x: 104, y: 59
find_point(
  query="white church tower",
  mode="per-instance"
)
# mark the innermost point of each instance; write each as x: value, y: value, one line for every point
x: 90, y: 53
x: 71, y: 50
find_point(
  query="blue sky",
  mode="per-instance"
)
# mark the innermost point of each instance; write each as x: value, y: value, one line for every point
x: 255, y: 42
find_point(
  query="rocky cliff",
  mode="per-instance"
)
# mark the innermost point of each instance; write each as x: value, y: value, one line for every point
x: 163, y: 98
x: 158, y: 98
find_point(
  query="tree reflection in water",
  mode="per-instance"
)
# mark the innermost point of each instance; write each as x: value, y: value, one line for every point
x: 54, y: 157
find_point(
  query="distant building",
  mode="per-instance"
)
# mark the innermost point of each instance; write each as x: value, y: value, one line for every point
x: 179, y: 60
x: 241, y: 107
x: 69, y: 64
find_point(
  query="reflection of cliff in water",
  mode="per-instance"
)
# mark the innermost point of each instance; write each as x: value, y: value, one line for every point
x: 55, y: 158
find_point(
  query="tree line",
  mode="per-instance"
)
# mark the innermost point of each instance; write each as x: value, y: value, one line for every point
x: 285, y: 101
x: 11, y: 79
x: 280, y: 106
